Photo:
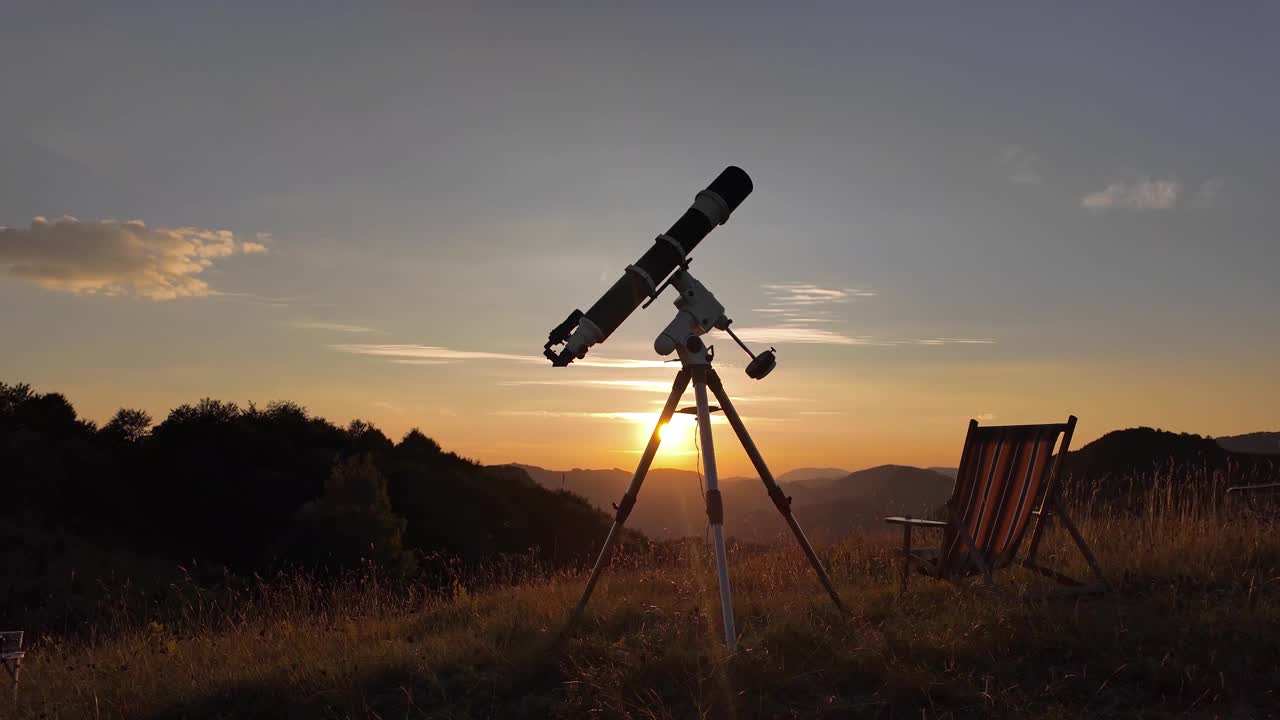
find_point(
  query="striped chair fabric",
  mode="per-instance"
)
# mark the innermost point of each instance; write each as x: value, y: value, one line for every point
x: 1004, y: 474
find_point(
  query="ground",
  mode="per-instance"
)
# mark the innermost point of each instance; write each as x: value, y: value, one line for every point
x: 1193, y: 628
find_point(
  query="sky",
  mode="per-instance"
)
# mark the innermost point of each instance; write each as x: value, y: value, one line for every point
x: 1003, y: 211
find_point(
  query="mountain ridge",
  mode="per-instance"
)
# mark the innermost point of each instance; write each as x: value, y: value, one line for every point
x: 830, y: 507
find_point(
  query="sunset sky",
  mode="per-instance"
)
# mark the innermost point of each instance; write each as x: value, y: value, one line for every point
x: 1008, y: 211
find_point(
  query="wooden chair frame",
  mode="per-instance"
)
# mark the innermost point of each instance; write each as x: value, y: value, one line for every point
x: 11, y: 654
x: 1051, y: 508
x: 1248, y: 496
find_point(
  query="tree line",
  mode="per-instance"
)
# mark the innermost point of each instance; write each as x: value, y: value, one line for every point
x: 253, y: 487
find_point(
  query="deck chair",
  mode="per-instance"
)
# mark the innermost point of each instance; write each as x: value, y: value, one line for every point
x: 1007, y: 480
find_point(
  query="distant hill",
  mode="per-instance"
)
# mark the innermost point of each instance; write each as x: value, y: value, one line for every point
x: 1129, y: 459
x: 1258, y: 443
x: 829, y: 508
x: 831, y: 504
x: 670, y: 503
x: 894, y: 487
x: 861, y: 500
x: 806, y: 474
x: 1138, y: 451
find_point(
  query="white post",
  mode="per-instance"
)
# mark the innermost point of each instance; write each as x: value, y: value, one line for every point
x: 715, y: 508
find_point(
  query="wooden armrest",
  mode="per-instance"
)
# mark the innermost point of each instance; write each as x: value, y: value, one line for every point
x: 917, y: 522
x: 1241, y: 489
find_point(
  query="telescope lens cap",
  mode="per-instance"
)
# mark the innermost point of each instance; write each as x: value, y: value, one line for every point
x: 764, y: 364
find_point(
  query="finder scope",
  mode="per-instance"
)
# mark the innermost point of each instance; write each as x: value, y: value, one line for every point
x: 652, y: 272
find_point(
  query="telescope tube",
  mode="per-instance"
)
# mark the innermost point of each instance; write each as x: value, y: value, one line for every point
x: 711, y: 207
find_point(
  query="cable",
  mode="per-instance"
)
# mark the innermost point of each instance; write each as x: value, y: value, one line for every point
x: 697, y: 452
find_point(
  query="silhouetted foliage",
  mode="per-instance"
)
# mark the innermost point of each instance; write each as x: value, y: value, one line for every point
x: 352, y: 521
x: 127, y: 425
x: 253, y: 486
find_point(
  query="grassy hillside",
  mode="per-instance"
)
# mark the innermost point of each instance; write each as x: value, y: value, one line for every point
x: 1194, y: 629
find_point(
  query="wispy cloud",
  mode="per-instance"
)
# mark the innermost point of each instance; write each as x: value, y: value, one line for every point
x: 1020, y: 165
x: 648, y: 386
x: 631, y: 417
x: 793, y: 295
x: 795, y: 311
x: 637, y: 418
x: 948, y: 341
x: 794, y: 307
x: 805, y: 335
x: 655, y: 387
x: 1211, y: 193
x: 414, y: 354
x: 334, y: 327
x: 1144, y: 194
x: 109, y: 257
x: 255, y: 299
x: 820, y: 336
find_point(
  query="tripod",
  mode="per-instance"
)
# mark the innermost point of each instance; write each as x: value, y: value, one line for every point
x: 696, y: 367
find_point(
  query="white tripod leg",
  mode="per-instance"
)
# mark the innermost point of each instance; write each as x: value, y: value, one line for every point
x: 715, y: 507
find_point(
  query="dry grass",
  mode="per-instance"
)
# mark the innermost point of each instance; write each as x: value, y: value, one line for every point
x: 1194, y: 630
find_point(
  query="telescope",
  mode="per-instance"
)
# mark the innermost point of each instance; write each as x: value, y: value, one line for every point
x: 666, y: 264
x: 643, y: 281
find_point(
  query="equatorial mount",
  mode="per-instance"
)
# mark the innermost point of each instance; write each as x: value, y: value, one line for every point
x: 698, y: 313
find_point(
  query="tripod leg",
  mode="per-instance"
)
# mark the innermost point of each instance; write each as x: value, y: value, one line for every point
x: 780, y: 500
x: 629, y: 498
x: 715, y: 504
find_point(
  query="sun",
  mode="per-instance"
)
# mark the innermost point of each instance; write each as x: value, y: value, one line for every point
x: 676, y: 435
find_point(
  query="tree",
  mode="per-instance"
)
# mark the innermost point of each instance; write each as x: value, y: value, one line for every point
x: 352, y: 521
x: 128, y: 425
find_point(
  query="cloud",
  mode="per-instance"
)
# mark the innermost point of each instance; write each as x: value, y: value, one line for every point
x: 656, y: 387
x: 796, y: 295
x: 117, y: 258
x: 643, y: 418
x: 649, y: 386
x: 1020, y: 165
x: 806, y: 335
x: 818, y: 336
x: 334, y: 327
x: 415, y: 354
x: 948, y: 341
x: 1211, y: 193
x: 265, y: 300
x: 803, y: 304
x: 1145, y: 194
x: 647, y: 419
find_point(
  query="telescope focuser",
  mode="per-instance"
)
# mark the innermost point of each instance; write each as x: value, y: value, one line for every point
x: 560, y: 334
